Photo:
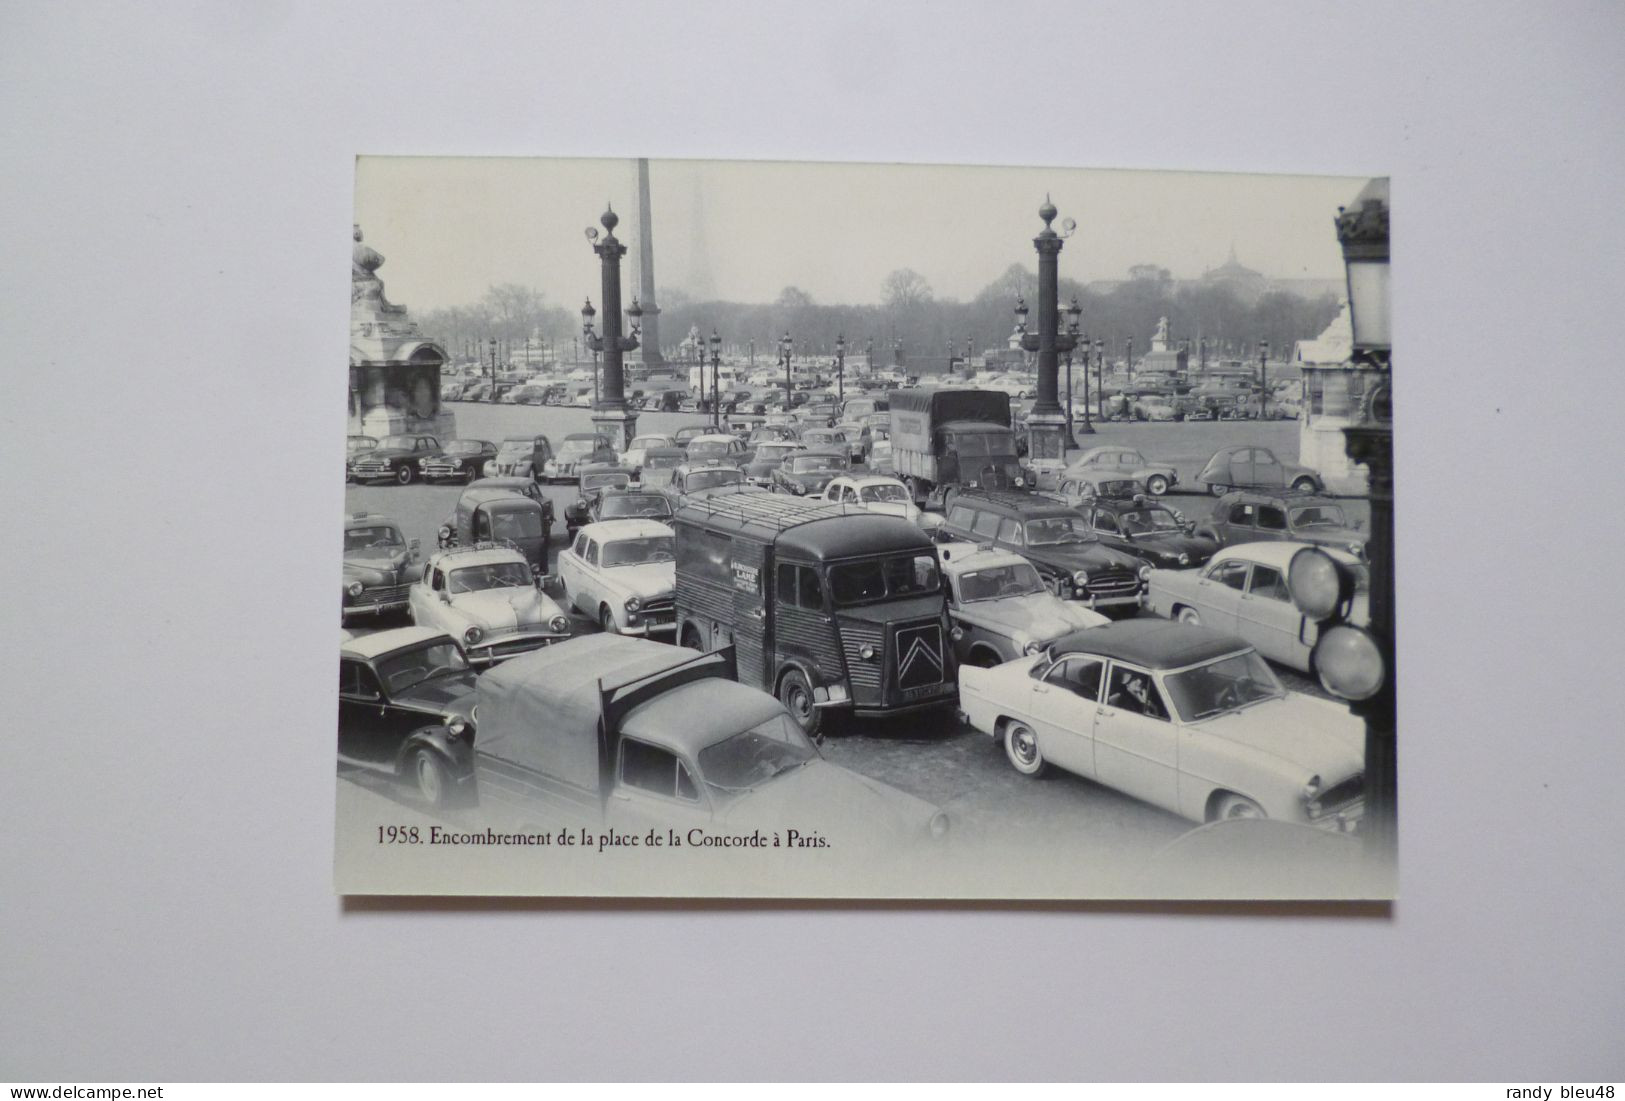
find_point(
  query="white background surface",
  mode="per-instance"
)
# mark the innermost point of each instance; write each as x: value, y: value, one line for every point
x: 175, y: 203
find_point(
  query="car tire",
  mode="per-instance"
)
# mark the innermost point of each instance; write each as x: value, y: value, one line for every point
x: 983, y: 659
x: 795, y: 693
x: 430, y: 779
x: 606, y: 621
x: 1021, y: 749
x: 1218, y: 490
x: 691, y: 639
x: 1189, y: 615
x: 1305, y: 484
x: 404, y: 475
x: 1156, y: 485
x: 1229, y: 805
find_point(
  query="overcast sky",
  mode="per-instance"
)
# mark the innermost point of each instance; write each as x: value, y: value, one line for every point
x: 449, y: 227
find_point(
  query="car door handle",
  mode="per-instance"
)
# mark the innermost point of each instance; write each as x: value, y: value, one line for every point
x: 1040, y: 689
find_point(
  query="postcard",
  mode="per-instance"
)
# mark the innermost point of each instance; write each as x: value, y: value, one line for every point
x: 755, y: 530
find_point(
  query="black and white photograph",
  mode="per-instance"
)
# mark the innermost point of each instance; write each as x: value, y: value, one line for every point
x: 729, y: 529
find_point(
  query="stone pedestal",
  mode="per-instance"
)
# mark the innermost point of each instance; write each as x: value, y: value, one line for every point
x: 619, y: 425
x: 1046, y: 440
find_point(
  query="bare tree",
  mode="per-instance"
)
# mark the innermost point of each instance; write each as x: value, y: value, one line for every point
x: 905, y: 289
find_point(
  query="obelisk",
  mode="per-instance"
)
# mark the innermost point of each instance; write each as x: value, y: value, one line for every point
x: 649, y: 343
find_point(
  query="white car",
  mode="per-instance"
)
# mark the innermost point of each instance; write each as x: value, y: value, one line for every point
x: 486, y: 597
x: 1242, y: 591
x: 622, y: 574
x: 1187, y: 718
x: 1001, y: 609
x: 878, y: 493
x: 634, y: 454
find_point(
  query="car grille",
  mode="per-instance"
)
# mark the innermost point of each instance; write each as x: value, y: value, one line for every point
x: 854, y: 636
x: 442, y: 468
x: 381, y: 594
x: 1113, y: 581
x: 512, y: 646
x: 371, y: 467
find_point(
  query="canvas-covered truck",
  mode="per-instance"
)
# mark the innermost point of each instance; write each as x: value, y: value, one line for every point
x: 830, y: 609
x: 949, y: 438
x: 623, y: 734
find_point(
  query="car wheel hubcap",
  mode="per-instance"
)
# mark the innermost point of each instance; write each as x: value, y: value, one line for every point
x: 1024, y: 745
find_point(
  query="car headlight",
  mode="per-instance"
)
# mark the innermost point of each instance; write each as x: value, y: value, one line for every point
x: 957, y: 633
x: 939, y: 825
x: 423, y: 464
x: 559, y: 624
x: 633, y: 603
x: 354, y: 588
x: 1184, y: 559
x: 472, y: 635
x: 797, y: 487
x: 445, y: 531
x: 1032, y: 646
x: 1357, y: 549
x: 455, y: 725
x: 1312, y: 787
x: 866, y: 652
x: 1081, y: 578
x: 1145, y: 573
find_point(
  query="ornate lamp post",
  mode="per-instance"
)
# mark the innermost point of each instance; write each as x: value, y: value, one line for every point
x: 590, y: 339
x: 716, y: 379
x: 610, y: 414
x: 786, y: 346
x: 1128, y: 359
x: 492, y: 394
x: 1363, y: 232
x: 1263, y: 380
x: 1073, y: 313
x: 1047, y: 424
x: 1100, y: 386
x: 840, y: 369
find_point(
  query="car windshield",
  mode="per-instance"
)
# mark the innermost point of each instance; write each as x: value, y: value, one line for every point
x: 708, y: 449
x: 516, y: 524
x: 642, y: 504
x: 639, y: 552
x: 515, y: 449
x: 601, y: 481
x: 984, y: 445
x: 398, y: 443
x: 810, y: 464
x: 402, y: 671
x: 1228, y: 684
x: 752, y: 757
x: 1051, y: 530
x: 577, y: 446
x: 463, y: 447
x: 492, y: 575
x: 710, y: 479
x: 882, y: 578
x: 886, y: 491
x: 661, y: 462
x: 1318, y: 516
x: 1017, y: 579
x: 362, y: 443
x: 772, y: 452
x: 643, y: 443
x: 1141, y: 520
x: 381, y: 535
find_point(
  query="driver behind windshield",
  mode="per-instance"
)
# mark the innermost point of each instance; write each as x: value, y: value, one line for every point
x: 1133, y: 691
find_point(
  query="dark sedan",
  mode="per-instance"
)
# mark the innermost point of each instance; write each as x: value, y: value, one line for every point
x: 1252, y: 516
x: 395, y: 459
x: 458, y: 461
x: 1150, y: 531
x: 404, y: 702
x: 807, y: 472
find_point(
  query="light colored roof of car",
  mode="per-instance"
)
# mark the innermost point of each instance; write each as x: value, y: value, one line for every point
x: 367, y: 519
x: 956, y: 561
x: 458, y: 557
x: 711, y: 437
x: 863, y: 481
x: 370, y: 646
x: 1278, y: 553
x: 607, y: 531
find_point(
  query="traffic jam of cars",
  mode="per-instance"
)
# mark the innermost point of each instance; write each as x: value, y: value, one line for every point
x: 715, y: 602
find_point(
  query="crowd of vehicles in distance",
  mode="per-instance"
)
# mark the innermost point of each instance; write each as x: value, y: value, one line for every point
x: 404, y: 701
x: 830, y: 611
x: 395, y: 459
x: 1248, y: 466
x: 488, y: 598
x: 487, y: 513
x: 520, y: 457
x: 1184, y: 717
x: 620, y: 574
x: 806, y: 472
x: 949, y: 437
x: 379, y: 566
x: 1248, y: 516
x: 667, y: 738
x: 1243, y: 592
x: 457, y: 461
x: 591, y: 480
x: 1123, y: 462
x: 1148, y: 529
x: 1059, y: 543
x: 575, y: 449
x: 1001, y: 609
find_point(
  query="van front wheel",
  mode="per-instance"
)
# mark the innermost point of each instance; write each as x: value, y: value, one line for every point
x: 797, y: 696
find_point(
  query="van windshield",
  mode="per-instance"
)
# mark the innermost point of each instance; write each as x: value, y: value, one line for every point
x: 874, y: 579
x: 983, y: 445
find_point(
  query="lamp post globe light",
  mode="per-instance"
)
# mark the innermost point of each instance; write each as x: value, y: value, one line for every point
x: 610, y: 414
x: 786, y: 346
x: 716, y: 379
x: 1047, y: 424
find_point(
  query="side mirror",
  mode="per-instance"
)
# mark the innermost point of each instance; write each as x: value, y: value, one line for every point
x: 445, y: 597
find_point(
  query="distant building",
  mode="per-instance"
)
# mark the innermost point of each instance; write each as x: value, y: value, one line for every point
x: 1329, y: 386
x: 1245, y: 283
